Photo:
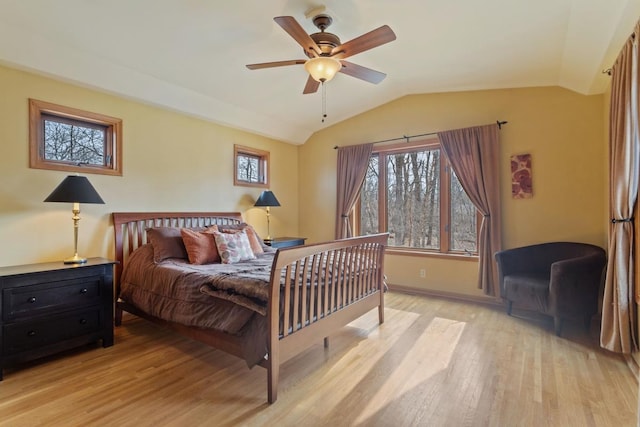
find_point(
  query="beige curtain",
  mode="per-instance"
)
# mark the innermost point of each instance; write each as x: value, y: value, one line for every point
x: 474, y: 156
x: 618, y: 332
x: 352, y: 168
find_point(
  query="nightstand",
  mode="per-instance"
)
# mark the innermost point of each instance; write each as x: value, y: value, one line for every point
x: 49, y: 307
x: 285, y: 242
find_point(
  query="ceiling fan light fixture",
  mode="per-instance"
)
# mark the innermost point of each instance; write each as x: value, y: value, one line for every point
x: 322, y: 68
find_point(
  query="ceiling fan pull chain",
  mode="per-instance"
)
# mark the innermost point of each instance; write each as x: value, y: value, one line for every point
x: 324, y: 102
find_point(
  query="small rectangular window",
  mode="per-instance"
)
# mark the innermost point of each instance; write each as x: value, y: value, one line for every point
x: 251, y: 167
x: 63, y: 138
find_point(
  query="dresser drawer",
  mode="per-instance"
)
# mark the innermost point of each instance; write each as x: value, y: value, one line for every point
x: 21, y: 336
x: 28, y: 301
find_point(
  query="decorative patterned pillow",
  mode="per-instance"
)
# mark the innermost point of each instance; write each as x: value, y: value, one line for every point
x: 233, y: 247
x: 254, y: 239
x: 201, y: 246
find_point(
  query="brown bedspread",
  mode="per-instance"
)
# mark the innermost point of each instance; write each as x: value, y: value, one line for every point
x: 172, y: 290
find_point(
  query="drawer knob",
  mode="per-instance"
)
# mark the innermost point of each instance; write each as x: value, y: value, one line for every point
x: 31, y: 333
x: 83, y: 321
x: 32, y: 300
x: 83, y: 290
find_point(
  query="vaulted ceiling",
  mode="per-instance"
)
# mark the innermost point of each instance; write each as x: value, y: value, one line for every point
x: 190, y: 55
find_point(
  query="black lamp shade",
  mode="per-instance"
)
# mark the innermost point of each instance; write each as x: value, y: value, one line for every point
x: 267, y: 198
x: 75, y: 189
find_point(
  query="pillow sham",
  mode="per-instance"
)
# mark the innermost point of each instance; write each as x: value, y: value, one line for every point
x: 166, y: 243
x: 201, y: 246
x: 233, y: 247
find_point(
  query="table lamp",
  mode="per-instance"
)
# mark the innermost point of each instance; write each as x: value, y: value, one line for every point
x: 267, y: 199
x: 75, y: 189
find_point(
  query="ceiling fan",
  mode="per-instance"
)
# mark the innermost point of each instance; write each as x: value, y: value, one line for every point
x: 327, y: 54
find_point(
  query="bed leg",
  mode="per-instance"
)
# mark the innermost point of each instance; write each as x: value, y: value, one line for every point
x: 118, y: 316
x: 326, y: 342
x: 272, y: 381
x: 381, y: 314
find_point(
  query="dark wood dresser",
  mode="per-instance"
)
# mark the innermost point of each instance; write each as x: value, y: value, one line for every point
x: 49, y: 307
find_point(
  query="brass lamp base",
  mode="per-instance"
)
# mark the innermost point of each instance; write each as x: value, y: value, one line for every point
x: 75, y: 260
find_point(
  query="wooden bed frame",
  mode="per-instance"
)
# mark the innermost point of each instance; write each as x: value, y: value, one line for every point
x: 360, y: 287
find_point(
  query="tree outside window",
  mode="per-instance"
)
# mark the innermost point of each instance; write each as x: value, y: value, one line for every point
x: 63, y: 138
x: 411, y: 192
x: 251, y: 167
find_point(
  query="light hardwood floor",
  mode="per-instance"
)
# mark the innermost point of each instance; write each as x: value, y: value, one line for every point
x: 434, y: 362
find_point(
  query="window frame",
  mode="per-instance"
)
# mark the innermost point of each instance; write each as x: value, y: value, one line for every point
x: 445, y: 200
x: 264, y: 172
x: 40, y: 110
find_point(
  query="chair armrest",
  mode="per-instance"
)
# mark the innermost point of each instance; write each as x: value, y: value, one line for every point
x: 575, y: 284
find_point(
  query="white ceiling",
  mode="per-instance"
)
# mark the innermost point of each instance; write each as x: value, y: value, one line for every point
x: 190, y: 55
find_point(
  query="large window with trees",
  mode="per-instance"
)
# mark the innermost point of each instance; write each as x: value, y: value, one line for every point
x: 411, y: 192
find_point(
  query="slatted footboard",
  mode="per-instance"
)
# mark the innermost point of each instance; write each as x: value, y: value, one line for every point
x: 327, y: 286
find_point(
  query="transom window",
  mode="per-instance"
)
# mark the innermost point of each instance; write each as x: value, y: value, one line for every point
x: 411, y: 192
x: 63, y: 138
x: 251, y: 167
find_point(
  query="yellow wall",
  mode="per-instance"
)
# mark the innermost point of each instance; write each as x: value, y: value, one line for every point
x: 175, y: 162
x: 171, y: 163
x: 562, y: 130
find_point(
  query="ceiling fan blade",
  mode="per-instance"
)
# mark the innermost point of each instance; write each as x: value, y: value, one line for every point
x: 275, y: 64
x: 362, y: 73
x: 295, y: 30
x: 311, y: 86
x: 367, y: 41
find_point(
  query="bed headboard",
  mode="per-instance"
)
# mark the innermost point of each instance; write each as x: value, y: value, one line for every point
x: 130, y: 229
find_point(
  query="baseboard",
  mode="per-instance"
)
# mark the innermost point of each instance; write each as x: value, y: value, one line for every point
x: 496, y: 302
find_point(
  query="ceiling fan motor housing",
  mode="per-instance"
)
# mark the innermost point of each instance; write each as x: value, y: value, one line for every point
x: 325, y: 41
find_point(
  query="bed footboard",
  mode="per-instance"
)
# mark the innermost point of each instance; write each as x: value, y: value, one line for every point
x: 328, y: 286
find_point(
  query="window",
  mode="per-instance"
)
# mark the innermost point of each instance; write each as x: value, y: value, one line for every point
x: 411, y: 192
x: 67, y: 139
x: 251, y: 167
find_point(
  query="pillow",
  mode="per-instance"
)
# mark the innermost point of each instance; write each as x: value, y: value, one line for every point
x: 201, y: 246
x: 254, y: 240
x: 233, y: 247
x: 166, y: 243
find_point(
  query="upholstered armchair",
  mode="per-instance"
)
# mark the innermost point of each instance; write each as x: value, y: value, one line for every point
x: 559, y: 279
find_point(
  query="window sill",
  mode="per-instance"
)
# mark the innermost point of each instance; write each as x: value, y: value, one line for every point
x: 427, y: 254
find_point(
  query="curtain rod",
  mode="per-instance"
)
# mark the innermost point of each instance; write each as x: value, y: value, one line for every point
x: 609, y: 71
x: 407, y: 138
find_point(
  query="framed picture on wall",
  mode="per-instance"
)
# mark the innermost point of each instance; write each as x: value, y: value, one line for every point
x: 521, y: 180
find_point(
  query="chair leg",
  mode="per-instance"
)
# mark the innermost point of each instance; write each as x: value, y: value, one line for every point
x: 509, y: 305
x: 557, y: 323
